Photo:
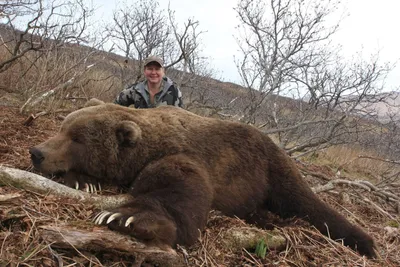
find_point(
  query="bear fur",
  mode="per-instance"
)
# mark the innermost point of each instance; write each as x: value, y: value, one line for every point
x: 178, y: 166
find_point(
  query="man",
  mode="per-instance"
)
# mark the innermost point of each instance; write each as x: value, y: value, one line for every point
x: 156, y: 90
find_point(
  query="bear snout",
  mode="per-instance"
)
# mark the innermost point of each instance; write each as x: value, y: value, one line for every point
x: 36, y: 156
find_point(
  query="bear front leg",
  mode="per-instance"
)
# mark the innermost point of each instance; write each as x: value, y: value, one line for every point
x: 82, y: 182
x: 172, y: 199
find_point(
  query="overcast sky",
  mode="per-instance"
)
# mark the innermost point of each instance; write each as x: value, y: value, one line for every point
x: 371, y: 26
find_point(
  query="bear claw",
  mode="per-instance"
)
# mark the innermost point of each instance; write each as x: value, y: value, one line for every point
x: 113, y: 217
x: 101, y: 216
x: 81, y: 182
x: 89, y: 188
x: 129, y: 221
x: 92, y: 188
x: 96, y: 217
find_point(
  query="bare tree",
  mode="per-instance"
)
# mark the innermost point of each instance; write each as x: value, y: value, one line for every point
x: 31, y: 24
x: 46, y: 49
x: 142, y: 29
x: 297, y: 82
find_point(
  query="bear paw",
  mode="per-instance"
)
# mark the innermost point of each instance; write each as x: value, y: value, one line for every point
x: 148, y: 226
x: 89, y: 188
x: 110, y: 216
x: 82, y: 182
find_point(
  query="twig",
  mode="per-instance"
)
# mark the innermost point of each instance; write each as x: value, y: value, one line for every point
x: 379, y: 159
x: 315, y: 174
x: 332, y: 183
x: 379, y: 209
x: 33, y: 117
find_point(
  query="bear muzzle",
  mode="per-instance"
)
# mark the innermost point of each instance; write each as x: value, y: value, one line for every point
x: 37, y: 156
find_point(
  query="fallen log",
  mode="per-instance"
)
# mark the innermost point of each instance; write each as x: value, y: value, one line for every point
x: 101, y: 239
x: 41, y: 185
x: 238, y: 238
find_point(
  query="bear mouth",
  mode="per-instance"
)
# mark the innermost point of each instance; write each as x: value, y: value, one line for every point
x: 59, y: 173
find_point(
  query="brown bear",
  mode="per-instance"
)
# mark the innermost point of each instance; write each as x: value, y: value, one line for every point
x: 178, y: 166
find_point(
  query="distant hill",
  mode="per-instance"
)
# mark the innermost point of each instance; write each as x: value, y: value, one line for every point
x: 386, y: 106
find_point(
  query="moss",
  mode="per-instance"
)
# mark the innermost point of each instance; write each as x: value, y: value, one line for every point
x: 238, y: 238
x: 393, y: 223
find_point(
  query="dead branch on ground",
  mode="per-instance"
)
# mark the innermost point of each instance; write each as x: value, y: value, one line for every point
x: 39, y: 184
x: 368, y: 186
x: 379, y: 159
x: 33, y: 117
x: 101, y: 239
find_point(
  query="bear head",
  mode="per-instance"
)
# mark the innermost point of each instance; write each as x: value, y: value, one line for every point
x: 92, y: 140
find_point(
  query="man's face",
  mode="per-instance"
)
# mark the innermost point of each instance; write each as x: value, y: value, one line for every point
x: 153, y: 72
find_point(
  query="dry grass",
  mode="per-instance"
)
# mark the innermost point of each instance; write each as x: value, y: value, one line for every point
x: 75, y: 75
x: 348, y: 159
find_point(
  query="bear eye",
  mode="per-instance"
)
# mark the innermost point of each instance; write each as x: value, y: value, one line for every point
x: 76, y: 139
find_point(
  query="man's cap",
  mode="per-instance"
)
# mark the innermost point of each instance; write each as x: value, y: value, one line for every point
x: 156, y: 59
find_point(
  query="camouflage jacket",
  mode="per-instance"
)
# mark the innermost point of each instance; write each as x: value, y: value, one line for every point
x: 139, y: 96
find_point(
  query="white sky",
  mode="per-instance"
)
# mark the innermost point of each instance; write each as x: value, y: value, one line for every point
x: 371, y: 26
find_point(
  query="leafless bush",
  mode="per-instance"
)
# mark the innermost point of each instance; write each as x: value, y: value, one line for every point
x: 287, y: 51
x: 45, y: 50
x: 142, y: 29
x: 41, y: 26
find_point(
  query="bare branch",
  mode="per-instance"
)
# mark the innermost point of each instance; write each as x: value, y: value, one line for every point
x: 100, y: 239
x: 36, y: 183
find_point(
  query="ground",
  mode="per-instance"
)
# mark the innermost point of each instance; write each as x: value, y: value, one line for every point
x: 23, y: 212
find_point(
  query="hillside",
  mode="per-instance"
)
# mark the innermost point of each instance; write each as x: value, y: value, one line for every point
x: 24, y: 213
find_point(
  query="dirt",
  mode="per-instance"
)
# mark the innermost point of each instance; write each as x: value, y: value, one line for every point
x: 16, y: 138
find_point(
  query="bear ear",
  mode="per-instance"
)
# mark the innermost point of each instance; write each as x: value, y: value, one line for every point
x: 128, y: 133
x: 93, y: 102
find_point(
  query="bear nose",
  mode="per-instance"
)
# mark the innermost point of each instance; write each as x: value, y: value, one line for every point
x: 36, y: 155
